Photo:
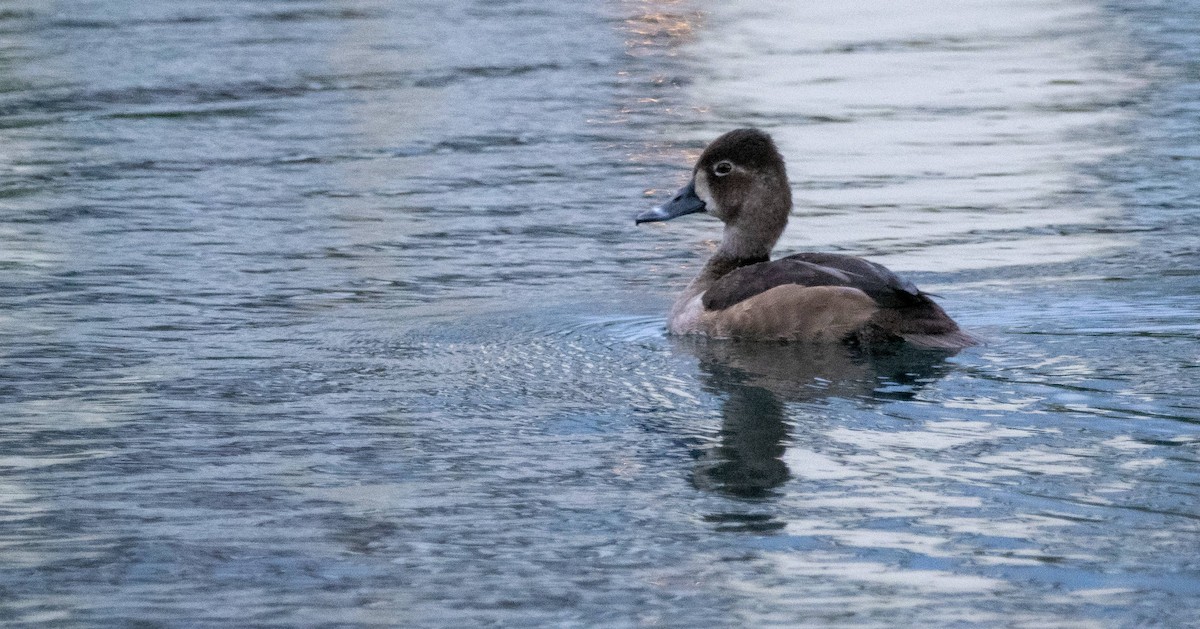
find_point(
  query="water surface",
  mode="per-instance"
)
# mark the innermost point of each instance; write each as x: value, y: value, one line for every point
x: 334, y: 313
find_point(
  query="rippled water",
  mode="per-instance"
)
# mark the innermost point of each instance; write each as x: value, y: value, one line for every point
x: 334, y: 313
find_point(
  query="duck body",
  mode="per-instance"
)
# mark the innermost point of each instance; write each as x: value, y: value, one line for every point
x: 816, y: 298
x: 807, y: 297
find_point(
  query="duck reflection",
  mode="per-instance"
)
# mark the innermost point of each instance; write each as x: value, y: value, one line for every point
x: 757, y: 380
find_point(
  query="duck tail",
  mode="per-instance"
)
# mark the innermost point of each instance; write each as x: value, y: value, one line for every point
x: 947, y: 340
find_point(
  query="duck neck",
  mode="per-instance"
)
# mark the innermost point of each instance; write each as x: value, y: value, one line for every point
x: 721, y: 264
x: 748, y: 238
x: 753, y: 227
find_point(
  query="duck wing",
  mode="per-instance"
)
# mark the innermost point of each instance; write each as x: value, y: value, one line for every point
x: 814, y: 269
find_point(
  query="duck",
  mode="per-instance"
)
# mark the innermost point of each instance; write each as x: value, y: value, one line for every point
x: 743, y: 294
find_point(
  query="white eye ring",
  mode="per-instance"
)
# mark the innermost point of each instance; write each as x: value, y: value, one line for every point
x: 722, y: 168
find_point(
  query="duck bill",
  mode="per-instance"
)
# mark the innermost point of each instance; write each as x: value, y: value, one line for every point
x: 684, y: 202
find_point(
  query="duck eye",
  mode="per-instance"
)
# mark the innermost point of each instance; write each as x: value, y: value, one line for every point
x: 723, y: 168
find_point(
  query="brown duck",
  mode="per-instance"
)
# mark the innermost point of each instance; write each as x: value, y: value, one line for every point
x: 810, y: 297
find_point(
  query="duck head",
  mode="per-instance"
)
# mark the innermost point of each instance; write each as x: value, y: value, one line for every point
x: 741, y: 179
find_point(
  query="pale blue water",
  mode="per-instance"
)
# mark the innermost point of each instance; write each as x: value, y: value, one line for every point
x: 320, y: 313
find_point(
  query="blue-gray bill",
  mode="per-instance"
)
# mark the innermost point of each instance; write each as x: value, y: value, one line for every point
x: 684, y: 202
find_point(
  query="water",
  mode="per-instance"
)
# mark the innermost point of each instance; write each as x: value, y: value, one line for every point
x: 328, y: 313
